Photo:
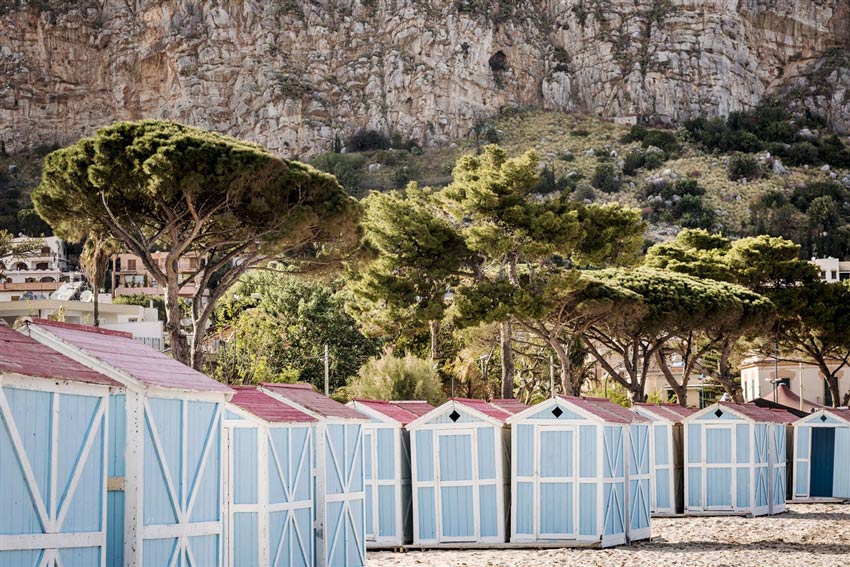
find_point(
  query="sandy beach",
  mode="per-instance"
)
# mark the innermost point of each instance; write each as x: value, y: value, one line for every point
x: 808, y: 534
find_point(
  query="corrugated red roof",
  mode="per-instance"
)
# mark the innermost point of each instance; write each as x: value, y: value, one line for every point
x: 393, y: 410
x: 22, y: 355
x: 510, y: 405
x: 761, y: 414
x: 484, y: 407
x: 671, y: 412
x: 119, y: 350
x: 416, y: 407
x: 625, y: 414
x: 842, y: 413
x: 307, y: 397
x: 267, y: 407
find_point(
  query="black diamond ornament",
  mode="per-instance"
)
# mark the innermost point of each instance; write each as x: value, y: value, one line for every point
x: 557, y: 412
x: 718, y: 413
x: 454, y: 416
x: 823, y: 418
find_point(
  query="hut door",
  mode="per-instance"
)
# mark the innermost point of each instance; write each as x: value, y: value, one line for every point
x: 457, y: 499
x: 823, y: 461
x: 556, y: 482
x: 718, y: 467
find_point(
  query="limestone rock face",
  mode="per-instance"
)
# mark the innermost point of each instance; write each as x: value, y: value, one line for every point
x: 295, y: 74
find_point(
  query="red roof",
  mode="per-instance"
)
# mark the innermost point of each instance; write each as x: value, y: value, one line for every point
x: 510, y: 405
x: 756, y: 413
x: 266, y: 407
x: 417, y: 407
x: 22, y: 355
x: 307, y: 397
x: 842, y: 413
x: 119, y: 350
x: 393, y: 410
x: 671, y: 412
x: 605, y: 409
x: 491, y: 409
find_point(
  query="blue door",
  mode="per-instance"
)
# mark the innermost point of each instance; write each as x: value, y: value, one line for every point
x: 823, y: 461
x: 456, y: 492
x: 556, y: 487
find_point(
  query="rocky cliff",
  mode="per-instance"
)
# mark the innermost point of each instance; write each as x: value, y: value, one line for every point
x: 294, y: 74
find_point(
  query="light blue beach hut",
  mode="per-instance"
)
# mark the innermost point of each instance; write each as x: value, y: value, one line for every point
x: 735, y: 460
x: 822, y: 456
x: 460, y: 455
x: 165, y: 497
x: 53, y: 416
x: 268, y: 482
x: 340, y: 512
x: 580, y: 473
x: 386, y: 450
x: 667, y: 456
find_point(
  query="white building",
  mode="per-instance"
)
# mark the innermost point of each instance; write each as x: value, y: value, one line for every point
x: 832, y: 269
x: 760, y: 374
x: 142, y: 322
x: 47, y: 264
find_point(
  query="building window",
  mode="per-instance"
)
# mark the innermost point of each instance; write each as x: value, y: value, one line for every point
x: 131, y: 265
x: 45, y: 251
x: 834, y: 275
x: 21, y: 266
x: 41, y: 266
x: 823, y: 275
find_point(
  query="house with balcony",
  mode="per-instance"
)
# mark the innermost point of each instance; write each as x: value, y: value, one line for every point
x: 38, y: 274
x: 130, y: 277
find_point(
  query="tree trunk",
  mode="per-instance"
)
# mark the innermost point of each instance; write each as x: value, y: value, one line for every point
x: 724, y: 372
x: 564, y: 371
x: 434, y: 330
x: 681, y: 390
x: 173, y: 316
x: 96, y: 307
x: 831, y: 381
x: 506, y: 354
x: 846, y: 400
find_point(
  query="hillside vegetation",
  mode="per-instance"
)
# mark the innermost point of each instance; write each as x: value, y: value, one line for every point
x: 756, y: 173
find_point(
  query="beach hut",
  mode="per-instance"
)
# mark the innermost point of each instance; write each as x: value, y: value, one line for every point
x: 735, y: 460
x: 268, y: 482
x: 386, y: 453
x: 340, y: 514
x: 165, y: 448
x: 460, y: 455
x: 53, y: 416
x: 822, y: 455
x: 666, y: 449
x: 580, y: 473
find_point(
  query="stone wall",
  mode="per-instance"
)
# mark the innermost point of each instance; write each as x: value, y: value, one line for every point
x: 294, y: 74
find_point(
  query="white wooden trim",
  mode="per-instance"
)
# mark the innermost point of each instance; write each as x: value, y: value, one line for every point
x: 19, y: 381
x: 186, y: 530
x: 52, y: 541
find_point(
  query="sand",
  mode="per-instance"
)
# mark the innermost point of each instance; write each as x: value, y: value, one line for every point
x: 811, y: 535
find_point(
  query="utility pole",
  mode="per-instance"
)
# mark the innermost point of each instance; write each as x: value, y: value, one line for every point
x: 327, y: 372
x: 551, y: 377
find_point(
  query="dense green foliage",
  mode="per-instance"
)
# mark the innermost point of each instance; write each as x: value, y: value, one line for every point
x: 393, y: 377
x: 154, y: 185
x: 276, y: 327
x: 770, y: 128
